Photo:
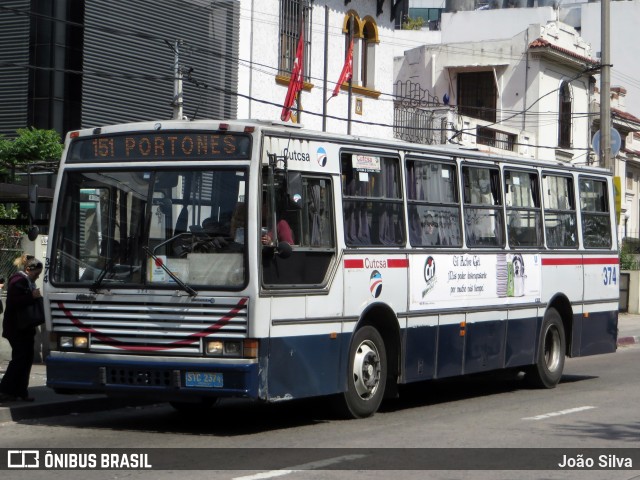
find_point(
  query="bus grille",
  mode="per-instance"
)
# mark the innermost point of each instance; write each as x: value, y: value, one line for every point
x: 147, y: 328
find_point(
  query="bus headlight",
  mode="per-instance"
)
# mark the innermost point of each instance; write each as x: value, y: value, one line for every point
x: 214, y: 347
x: 80, y: 342
x: 231, y: 348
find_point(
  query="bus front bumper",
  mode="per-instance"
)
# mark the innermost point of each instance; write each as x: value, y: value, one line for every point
x: 163, y: 379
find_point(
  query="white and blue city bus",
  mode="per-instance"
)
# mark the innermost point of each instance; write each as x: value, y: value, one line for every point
x: 190, y: 261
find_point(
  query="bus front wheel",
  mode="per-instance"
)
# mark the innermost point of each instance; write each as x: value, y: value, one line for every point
x: 547, y: 370
x: 367, y: 374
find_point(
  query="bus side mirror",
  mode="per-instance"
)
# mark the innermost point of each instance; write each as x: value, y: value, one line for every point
x: 33, y: 202
x: 33, y: 233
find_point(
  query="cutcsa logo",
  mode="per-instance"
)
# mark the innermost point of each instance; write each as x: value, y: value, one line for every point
x: 375, y: 284
x: 321, y: 155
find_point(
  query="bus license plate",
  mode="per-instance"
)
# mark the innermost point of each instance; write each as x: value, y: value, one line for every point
x: 203, y: 380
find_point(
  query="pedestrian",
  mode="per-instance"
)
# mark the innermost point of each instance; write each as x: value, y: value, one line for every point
x: 23, y: 314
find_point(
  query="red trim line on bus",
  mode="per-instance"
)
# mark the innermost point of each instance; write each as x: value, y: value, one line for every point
x: 580, y: 261
x: 391, y: 263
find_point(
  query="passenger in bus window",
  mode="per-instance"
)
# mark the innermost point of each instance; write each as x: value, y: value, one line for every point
x: 445, y: 233
x: 285, y: 234
x: 283, y: 229
x: 429, y: 230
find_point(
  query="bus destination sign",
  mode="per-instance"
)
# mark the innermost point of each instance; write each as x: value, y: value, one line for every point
x: 161, y: 146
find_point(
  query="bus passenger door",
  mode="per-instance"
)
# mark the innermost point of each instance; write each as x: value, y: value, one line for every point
x: 306, y: 303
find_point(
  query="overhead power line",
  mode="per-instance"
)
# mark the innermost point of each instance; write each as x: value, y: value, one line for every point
x: 267, y: 69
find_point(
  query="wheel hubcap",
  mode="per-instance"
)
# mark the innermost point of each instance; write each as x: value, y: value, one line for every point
x: 552, y: 349
x: 366, y: 370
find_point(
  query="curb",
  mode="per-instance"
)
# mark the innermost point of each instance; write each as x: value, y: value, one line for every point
x: 624, y: 341
x: 20, y: 411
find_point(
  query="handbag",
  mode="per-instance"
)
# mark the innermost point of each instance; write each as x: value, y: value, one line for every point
x: 32, y: 315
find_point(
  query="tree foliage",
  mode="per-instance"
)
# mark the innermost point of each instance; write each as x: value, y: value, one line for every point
x: 32, y: 145
x: 413, y: 23
x: 629, y: 255
x: 9, y: 234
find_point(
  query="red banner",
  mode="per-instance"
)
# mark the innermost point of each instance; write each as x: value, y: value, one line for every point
x: 296, y: 82
x: 347, y: 70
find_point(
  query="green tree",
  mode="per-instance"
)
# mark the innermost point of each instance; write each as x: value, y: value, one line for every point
x: 9, y: 234
x: 413, y: 23
x: 628, y: 260
x: 31, y: 147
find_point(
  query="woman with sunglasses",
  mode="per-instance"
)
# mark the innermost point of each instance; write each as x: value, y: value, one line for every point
x: 21, y: 293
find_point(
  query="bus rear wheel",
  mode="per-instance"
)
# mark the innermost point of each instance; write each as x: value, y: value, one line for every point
x: 547, y: 370
x: 367, y: 374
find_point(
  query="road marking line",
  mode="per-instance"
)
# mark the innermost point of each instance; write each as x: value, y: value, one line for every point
x: 297, y: 468
x: 561, y: 412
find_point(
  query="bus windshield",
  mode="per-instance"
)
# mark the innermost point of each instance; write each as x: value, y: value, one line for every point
x: 151, y: 227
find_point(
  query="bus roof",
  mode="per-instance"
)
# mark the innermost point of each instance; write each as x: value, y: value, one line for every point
x: 278, y: 128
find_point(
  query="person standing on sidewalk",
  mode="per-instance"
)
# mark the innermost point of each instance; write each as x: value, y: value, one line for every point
x: 22, y: 293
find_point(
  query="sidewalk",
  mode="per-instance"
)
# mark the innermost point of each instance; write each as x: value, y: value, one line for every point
x: 48, y: 403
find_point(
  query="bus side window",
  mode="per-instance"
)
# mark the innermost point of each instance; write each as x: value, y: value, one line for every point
x: 559, y: 212
x: 522, y: 196
x: 594, y: 205
x: 311, y: 221
x: 483, y: 207
x: 372, y: 200
x: 434, y: 211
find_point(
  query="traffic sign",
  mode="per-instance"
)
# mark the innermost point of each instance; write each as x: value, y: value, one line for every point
x: 616, y: 142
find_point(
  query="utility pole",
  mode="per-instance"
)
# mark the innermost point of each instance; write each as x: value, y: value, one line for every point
x: 351, y: 22
x: 326, y: 67
x: 177, y: 84
x: 605, y: 86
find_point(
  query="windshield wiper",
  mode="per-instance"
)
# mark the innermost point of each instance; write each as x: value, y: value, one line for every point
x: 175, y: 278
x: 101, y: 276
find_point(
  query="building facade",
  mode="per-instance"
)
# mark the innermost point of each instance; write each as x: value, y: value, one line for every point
x: 525, y: 94
x: 69, y: 64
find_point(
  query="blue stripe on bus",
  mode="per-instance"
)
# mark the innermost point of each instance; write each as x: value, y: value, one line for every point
x: 595, y: 334
x: 420, y: 353
x: 484, y: 346
x: 522, y: 340
x: 305, y: 366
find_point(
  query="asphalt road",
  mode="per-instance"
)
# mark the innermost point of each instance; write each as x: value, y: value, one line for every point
x: 596, y: 406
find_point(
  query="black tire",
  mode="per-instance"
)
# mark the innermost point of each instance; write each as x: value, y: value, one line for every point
x: 547, y: 370
x: 366, y: 374
x: 194, y: 408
